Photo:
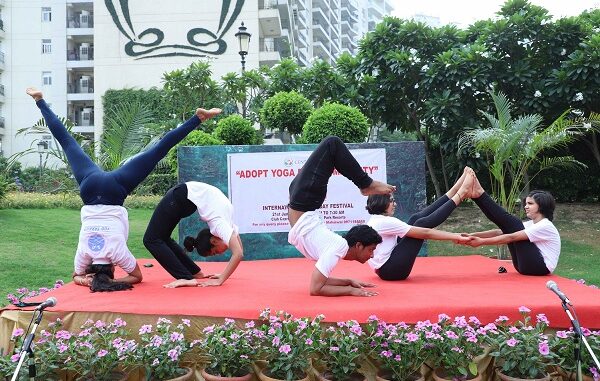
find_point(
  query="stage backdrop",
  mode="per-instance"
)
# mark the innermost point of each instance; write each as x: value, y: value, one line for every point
x: 256, y: 180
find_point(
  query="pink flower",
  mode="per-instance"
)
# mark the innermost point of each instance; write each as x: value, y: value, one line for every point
x: 119, y: 322
x: 595, y: 373
x: 502, y: 318
x: 102, y: 352
x: 285, y: 349
x: 146, y: 328
x: 66, y: 335
x: 276, y: 341
x: 544, y: 348
x: 308, y: 342
x: 412, y: 337
x: 524, y: 309
x: 62, y: 348
x: 513, y: 330
x: 209, y: 329
x: 250, y: 324
x: 100, y: 324
x: 372, y: 318
x: 511, y: 342
x: 451, y: 335
x: 387, y: 354
x: 15, y: 357
x: 561, y: 334
x: 176, y: 336
x: 398, y: 358
x: 173, y: 354
x: 443, y: 317
x: 18, y: 332
x: 334, y: 349
x: 542, y: 318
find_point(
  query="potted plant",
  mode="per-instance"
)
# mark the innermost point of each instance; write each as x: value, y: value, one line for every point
x: 455, y: 344
x: 563, y: 345
x: 287, y: 344
x: 230, y: 351
x: 93, y: 353
x: 340, y: 350
x: 159, y: 351
x: 398, y: 349
x: 521, y: 349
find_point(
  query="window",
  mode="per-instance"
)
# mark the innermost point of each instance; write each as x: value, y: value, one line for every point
x: 46, y: 78
x: 46, y: 14
x: 46, y: 46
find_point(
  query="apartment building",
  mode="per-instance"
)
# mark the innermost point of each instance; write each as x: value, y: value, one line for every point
x: 76, y: 50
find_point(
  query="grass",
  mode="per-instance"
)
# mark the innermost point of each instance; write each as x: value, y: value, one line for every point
x: 37, y: 246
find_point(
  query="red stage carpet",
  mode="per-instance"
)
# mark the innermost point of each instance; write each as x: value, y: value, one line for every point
x: 467, y: 285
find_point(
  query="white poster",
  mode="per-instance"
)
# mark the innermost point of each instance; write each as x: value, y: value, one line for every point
x: 259, y: 182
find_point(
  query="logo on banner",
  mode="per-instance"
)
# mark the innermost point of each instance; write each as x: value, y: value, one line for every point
x: 288, y: 162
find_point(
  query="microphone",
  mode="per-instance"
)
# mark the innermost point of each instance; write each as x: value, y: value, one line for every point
x: 552, y: 286
x: 50, y: 302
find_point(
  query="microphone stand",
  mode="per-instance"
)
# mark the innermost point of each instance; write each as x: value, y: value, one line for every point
x: 27, y: 350
x: 578, y: 337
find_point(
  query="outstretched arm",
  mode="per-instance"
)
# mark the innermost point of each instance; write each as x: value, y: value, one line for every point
x: 237, y: 253
x: 320, y: 285
x: 499, y: 239
x: 487, y: 233
x: 426, y: 233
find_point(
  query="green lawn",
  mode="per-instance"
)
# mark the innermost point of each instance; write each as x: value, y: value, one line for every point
x: 37, y: 246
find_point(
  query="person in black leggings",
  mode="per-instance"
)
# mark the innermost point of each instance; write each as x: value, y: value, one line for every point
x: 310, y: 235
x: 103, y: 194
x: 395, y: 257
x: 534, y: 245
x: 216, y: 210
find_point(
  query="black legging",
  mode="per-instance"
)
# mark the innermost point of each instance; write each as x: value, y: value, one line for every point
x: 309, y: 188
x: 404, y: 254
x: 173, y: 207
x: 526, y: 256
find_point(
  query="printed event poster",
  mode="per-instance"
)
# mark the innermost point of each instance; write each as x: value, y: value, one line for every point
x: 259, y: 182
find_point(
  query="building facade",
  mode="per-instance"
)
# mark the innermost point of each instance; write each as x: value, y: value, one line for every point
x: 76, y: 50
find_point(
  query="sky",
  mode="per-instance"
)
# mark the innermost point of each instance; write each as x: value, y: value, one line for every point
x: 465, y: 12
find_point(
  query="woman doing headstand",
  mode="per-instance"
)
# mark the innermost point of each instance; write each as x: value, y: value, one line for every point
x: 534, y: 245
x: 216, y: 210
x: 394, y: 258
x: 104, y: 221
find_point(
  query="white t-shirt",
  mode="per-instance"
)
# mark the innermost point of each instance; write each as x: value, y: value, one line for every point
x: 389, y: 228
x: 545, y: 236
x: 214, y: 208
x: 103, y: 238
x: 315, y: 241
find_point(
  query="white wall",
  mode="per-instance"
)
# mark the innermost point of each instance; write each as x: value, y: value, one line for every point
x: 114, y: 69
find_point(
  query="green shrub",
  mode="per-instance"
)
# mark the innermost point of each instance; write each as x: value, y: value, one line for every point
x: 30, y: 200
x: 3, y: 187
x: 346, y: 122
x: 195, y: 138
x: 157, y: 183
x: 235, y: 130
x: 286, y: 112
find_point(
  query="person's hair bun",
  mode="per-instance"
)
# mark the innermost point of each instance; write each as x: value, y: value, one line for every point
x: 189, y: 243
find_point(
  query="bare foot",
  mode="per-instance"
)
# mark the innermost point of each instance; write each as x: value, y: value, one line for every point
x: 477, y: 190
x: 465, y: 189
x: 207, y: 114
x: 377, y: 187
x: 452, y: 191
x: 34, y: 93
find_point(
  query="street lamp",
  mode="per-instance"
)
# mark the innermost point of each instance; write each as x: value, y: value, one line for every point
x: 244, y: 40
x: 42, y: 147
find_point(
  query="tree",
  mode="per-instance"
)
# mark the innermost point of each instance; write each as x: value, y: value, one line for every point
x: 190, y: 88
x: 247, y: 90
x: 322, y: 83
x: 195, y: 138
x: 513, y: 145
x: 126, y: 134
x: 286, y: 112
x: 346, y: 122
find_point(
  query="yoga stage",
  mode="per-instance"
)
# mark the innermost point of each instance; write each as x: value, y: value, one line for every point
x: 469, y: 285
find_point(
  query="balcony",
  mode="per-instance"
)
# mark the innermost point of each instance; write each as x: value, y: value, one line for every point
x: 2, y: 122
x: 2, y: 98
x: 2, y: 33
x: 80, y: 55
x: 81, y: 90
x: 268, y: 55
x: 83, y: 117
x: 321, y: 51
x: 2, y: 58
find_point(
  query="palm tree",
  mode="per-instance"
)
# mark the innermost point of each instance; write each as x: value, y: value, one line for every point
x: 514, y: 145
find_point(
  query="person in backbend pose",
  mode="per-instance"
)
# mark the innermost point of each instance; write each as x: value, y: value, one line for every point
x: 216, y: 210
x: 310, y: 235
x: 104, y: 221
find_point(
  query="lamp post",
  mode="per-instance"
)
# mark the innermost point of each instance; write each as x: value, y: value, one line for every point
x: 42, y: 146
x: 243, y: 37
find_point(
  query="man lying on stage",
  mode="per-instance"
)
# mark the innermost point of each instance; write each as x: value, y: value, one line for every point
x: 309, y: 233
